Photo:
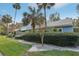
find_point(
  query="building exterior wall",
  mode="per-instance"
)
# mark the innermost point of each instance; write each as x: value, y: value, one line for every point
x: 67, y: 29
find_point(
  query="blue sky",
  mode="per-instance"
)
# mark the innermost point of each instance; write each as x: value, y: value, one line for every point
x: 65, y: 10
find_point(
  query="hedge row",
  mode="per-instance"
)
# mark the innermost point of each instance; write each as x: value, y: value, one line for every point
x: 61, y: 39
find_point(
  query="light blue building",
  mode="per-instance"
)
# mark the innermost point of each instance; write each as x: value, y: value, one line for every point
x: 66, y: 25
x: 67, y: 29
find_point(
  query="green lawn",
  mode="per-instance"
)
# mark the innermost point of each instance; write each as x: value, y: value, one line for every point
x: 10, y: 47
x: 53, y: 53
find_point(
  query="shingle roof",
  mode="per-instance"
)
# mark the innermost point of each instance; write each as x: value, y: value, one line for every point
x: 60, y: 23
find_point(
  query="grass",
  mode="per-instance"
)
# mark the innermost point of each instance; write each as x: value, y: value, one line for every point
x: 53, y: 53
x: 10, y: 47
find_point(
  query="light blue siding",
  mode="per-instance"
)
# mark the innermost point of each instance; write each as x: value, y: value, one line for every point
x: 67, y: 29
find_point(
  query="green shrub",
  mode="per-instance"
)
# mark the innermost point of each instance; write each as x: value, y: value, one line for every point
x: 55, y: 29
x: 61, y: 39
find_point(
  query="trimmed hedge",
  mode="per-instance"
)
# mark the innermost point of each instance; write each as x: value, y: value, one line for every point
x: 61, y: 39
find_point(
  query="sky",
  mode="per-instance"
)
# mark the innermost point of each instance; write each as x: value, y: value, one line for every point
x: 65, y: 10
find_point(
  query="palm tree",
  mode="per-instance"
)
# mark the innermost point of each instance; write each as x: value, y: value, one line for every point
x: 6, y: 19
x: 31, y: 17
x: 25, y: 19
x: 40, y: 22
x: 45, y: 6
x: 55, y: 17
x: 16, y: 6
x: 37, y: 18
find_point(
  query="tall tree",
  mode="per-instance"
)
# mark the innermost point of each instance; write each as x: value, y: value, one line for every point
x: 16, y: 6
x: 55, y: 17
x: 36, y: 17
x: 25, y: 19
x: 45, y: 6
x: 31, y: 17
x: 6, y: 19
x: 40, y: 21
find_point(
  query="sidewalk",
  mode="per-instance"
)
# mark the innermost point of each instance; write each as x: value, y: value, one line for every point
x: 38, y: 47
x: 1, y: 54
x: 47, y: 47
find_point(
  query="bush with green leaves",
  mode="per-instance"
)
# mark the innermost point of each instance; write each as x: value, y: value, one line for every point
x: 2, y: 29
x: 61, y: 39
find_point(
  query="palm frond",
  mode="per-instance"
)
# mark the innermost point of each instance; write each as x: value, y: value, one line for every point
x: 16, y: 6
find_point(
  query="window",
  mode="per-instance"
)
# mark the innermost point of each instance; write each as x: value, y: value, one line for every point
x: 60, y: 30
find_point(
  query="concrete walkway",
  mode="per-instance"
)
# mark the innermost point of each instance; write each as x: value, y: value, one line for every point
x: 38, y: 47
x: 1, y: 54
x: 46, y: 47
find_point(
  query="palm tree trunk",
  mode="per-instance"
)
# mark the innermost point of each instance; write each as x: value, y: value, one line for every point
x: 7, y: 29
x: 42, y: 35
x: 39, y: 27
x: 14, y: 22
x: 42, y: 38
x: 33, y: 25
x: 15, y: 16
x: 33, y: 28
x: 45, y: 18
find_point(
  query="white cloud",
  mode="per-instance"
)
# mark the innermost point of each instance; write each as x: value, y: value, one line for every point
x: 59, y: 5
x: 33, y: 5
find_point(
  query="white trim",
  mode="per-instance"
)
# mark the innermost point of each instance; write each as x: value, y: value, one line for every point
x: 62, y: 29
